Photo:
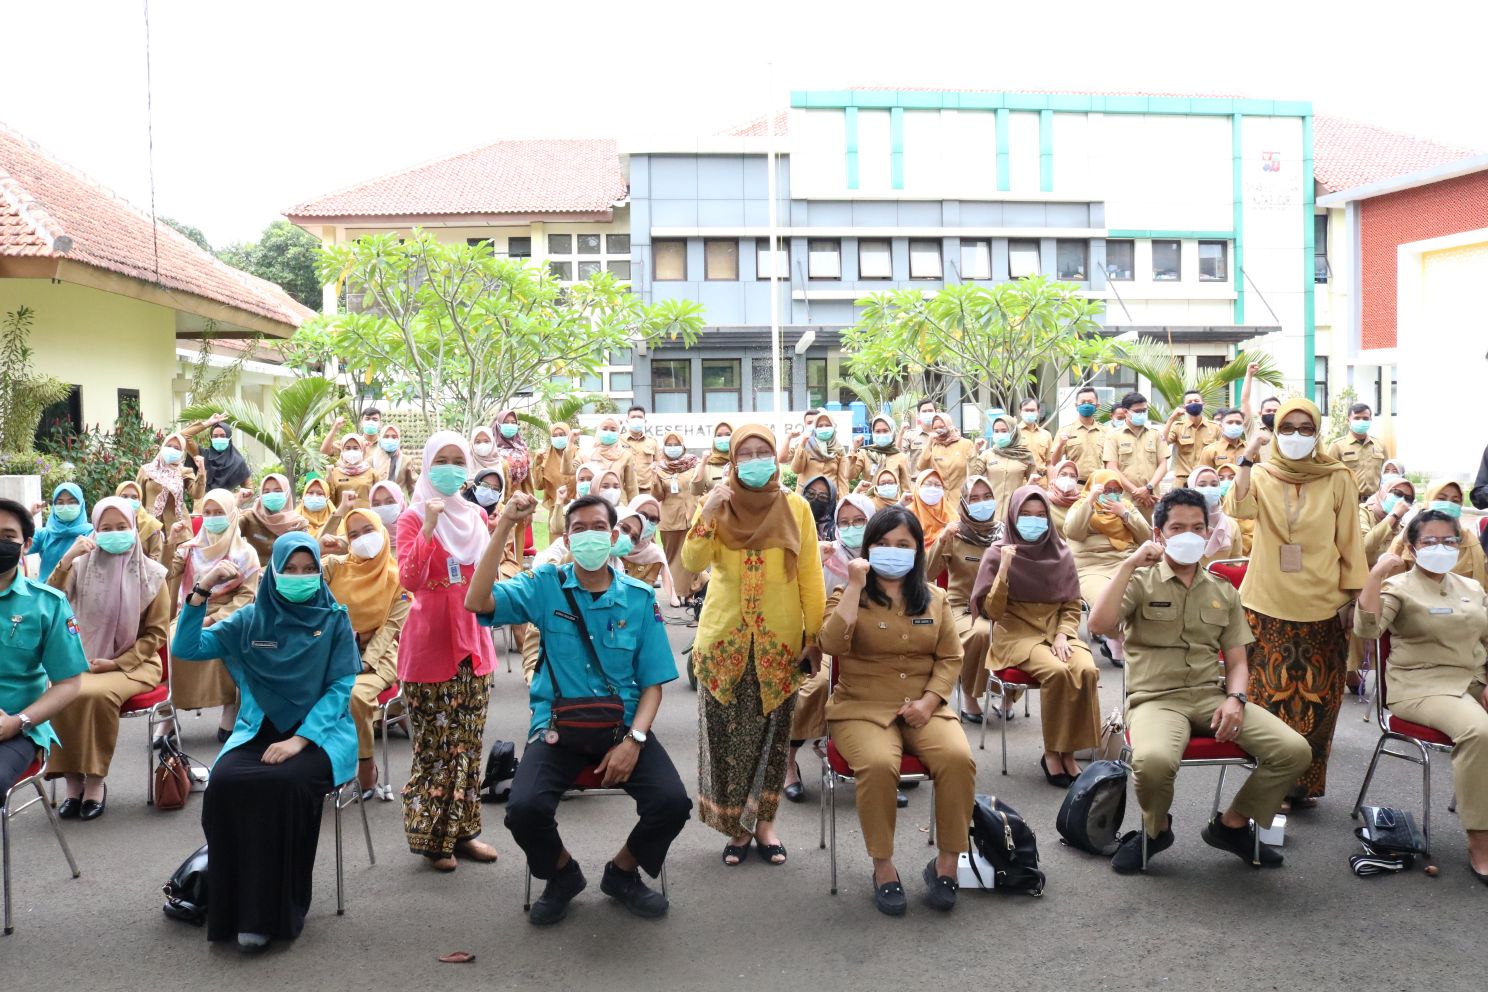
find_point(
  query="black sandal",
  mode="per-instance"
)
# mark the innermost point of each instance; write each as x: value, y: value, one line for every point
x: 739, y: 852
x: 889, y: 898
x: 769, y: 852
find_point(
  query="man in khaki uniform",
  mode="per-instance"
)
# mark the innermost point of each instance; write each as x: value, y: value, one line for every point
x: 1176, y: 619
x: 644, y: 450
x: 1137, y: 452
x: 1231, y: 444
x: 1082, y: 442
x: 1189, y: 432
x: 1037, y: 440
x: 1364, y: 456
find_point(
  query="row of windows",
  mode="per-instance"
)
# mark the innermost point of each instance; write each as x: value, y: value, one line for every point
x: 566, y: 244
x: 1167, y: 260
x: 723, y: 387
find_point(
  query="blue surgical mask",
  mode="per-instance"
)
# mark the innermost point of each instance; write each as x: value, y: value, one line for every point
x: 215, y: 525
x: 1001, y: 439
x: 891, y: 563
x: 1030, y: 418
x: 273, y: 502
x: 1224, y: 486
x: 673, y: 451
x: 171, y: 456
x: 220, y: 443
x: 115, y: 542
x: 1086, y: 409
x: 1391, y: 501
x: 590, y: 548
x: 1211, y: 494
x: 882, y: 440
x: 852, y: 537
x: 888, y: 490
x: 296, y: 588
x: 1453, y: 510
x: 721, y: 444
x: 583, y: 488
x: 623, y: 546
x: 315, y: 503
x: 389, y: 444
x: 1193, y: 409
x: 134, y: 504
x: 559, y: 443
x: 608, y: 437
x: 756, y: 472
x: 447, y: 478
x: 981, y: 511
x: 648, y: 529
x: 1233, y: 431
x: 1139, y: 419
x: 1032, y: 528
x: 825, y: 434
x: 509, y: 431
x: 67, y: 512
x: 1360, y: 427
x: 487, y: 496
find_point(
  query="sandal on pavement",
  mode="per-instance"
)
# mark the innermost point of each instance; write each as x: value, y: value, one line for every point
x: 769, y: 852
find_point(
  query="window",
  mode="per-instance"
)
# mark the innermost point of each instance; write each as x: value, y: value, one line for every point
x: 519, y: 247
x: 1394, y: 392
x: 1120, y: 256
x: 670, y: 259
x: 477, y: 242
x: 1320, y: 382
x: 617, y: 244
x: 671, y: 386
x: 721, y: 260
x: 129, y: 403
x: 764, y: 395
x: 592, y: 384
x: 561, y: 270
x: 875, y: 260
x: 762, y: 258
x: 721, y: 392
x: 1210, y: 363
x: 1120, y: 380
x: 588, y: 244
x: 1320, y: 268
x: 560, y: 244
x: 976, y: 260
x: 1214, y: 261
x: 1023, y: 259
x: 816, y: 382
x: 924, y: 260
x: 619, y: 268
x: 824, y: 259
x: 587, y: 269
x: 622, y: 382
x: 1167, y: 261
x: 620, y: 356
x: 1069, y: 261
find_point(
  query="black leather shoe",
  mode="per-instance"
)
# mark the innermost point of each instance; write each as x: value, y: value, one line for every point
x: 629, y: 890
x: 940, y: 891
x: 1063, y: 780
x: 1241, y: 842
x: 900, y: 799
x: 889, y: 898
x: 1128, y: 857
x: 92, y: 809
x: 223, y: 735
x: 68, y: 808
x: 552, y: 905
x: 796, y: 791
x: 967, y: 717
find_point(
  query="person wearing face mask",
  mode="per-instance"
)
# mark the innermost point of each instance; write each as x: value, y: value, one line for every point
x: 1306, y: 566
x: 365, y: 581
x: 957, y: 554
x: 1445, y: 496
x: 646, y: 560
x: 168, y: 481
x: 1246, y: 528
x: 674, y: 473
x: 887, y: 491
x: 66, y: 522
x: 369, y: 424
x: 1064, y: 490
x: 928, y: 503
x: 352, y: 473
x: 122, y: 605
x: 715, y: 468
x: 1438, y: 625
x: 1029, y: 588
x: 821, y: 495
x: 913, y: 437
x: 616, y: 457
x: 1188, y: 433
x: 764, y: 605
x: 880, y: 454
x: 1033, y: 436
x: 388, y: 503
x: 893, y: 639
x: 270, y: 515
x: 294, y: 657
x: 488, y: 491
x: 1361, y: 454
x: 1005, y: 463
x: 199, y: 687
x: 948, y: 453
x: 1083, y: 441
x: 1266, y: 415
x: 795, y: 434
x: 516, y: 459
x: 821, y: 454
x: 444, y: 659
x: 151, y: 534
x: 1224, y: 533
x: 391, y: 463
x: 226, y: 468
x: 644, y: 451
x: 553, y: 469
x: 1103, y: 528
x: 1382, y: 516
x: 1230, y: 445
x: 315, y: 503
x: 1178, y: 621
x: 1138, y: 453
x: 607, y: 485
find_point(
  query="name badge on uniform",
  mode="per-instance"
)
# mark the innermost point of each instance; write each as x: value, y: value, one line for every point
x: 1440, y: 611
x: 454, y: 571
x: 1163, y: 603
x: 267, y: 645
x: 924, y: 621
x: 1291, y: 557
x: 566, y: 616
x: 972, y: 558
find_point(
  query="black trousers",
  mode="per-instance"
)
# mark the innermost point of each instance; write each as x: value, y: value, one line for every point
x: 16, y: 756
x: 547, y: 771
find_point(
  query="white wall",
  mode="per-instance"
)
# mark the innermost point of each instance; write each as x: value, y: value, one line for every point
x: 1163, y: 172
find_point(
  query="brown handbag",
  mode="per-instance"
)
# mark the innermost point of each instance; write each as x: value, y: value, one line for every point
x: 172, y: 777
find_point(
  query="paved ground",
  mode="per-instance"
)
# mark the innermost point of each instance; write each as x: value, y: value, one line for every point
x: 1200, y: 919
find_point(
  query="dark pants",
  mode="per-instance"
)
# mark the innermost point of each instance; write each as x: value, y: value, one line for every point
x: 16, y: 756
x: 546, y: 772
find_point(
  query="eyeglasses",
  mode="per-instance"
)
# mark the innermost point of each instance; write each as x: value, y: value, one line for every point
x: 1445, y: 542
x: 1306, y: 430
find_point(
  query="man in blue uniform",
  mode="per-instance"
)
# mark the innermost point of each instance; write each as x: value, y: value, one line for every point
x: 602, y: 636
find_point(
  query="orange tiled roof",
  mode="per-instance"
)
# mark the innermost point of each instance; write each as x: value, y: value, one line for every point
x: 49, y: 211
x: 1350, y: 153
x: 530, y: 176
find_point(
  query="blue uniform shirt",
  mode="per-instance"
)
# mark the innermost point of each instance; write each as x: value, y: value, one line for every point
x: 624, y: 622
x: 39, y: 643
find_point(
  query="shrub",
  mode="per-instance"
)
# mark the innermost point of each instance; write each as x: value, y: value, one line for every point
x: 97, y: 459
x: 53, y: 471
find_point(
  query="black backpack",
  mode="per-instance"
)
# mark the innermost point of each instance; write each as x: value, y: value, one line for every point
x: 1006, y: 841
x: 1090, y: 817
x: 186, y: 890
x: 501, y: 768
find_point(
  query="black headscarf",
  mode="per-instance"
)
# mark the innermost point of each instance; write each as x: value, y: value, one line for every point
x: 824, y: 512
x: 226, y: 469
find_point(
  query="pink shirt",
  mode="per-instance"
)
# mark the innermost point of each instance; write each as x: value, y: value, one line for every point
x: 439, y: 632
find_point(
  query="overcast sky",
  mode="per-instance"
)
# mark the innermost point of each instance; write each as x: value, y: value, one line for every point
x: 261, y: 105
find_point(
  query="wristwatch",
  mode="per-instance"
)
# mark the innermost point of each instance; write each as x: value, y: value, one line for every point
x: 26, y: 725
x: 205, y: 594
x: 1148, y: 487
x: 1243, y: 462
x: 639, y: 736
x: 1240, y: 696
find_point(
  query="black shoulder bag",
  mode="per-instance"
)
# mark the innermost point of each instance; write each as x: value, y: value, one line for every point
x: 590, y: 725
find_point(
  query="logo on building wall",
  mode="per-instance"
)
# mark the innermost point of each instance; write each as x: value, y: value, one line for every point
x: 1270, y: 161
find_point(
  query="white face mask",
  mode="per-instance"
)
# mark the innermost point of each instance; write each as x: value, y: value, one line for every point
x: 1186, y: 549
x: 388, y: 513
x: 367, y: 546
x: 1438, y: 558
x: 351, y: 456
x: 486, y: 496
x: 612, y: 495
x: 483, y: 449
x: 1296, y: 446
x: 637, y: 426
x: 931, y: 495
x: 1066, y: 485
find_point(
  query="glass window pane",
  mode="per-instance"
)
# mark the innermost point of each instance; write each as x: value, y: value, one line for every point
x: 1213, y: 261
x: 591, y: 383
x: 671, y: 402
x: 924, y: 259
x: 721, y: 402
x: 676, y: 374
x: 1069, y: 257
x: 562, y: 270
x: 764, y: 397
x: 1120, y: 260
x: 1023, y: 259
x: 622, y: 382
x: 588, y: 244
x: 519, y: 247
x: 587, y: 269
x: 824, y: 260
x: 473, y: 242
x: 720, y: 374
x: 619, y: 268
x: 617, y: 244
x: 875, y: 260
x: 620, y: 356
x: 1167, y: 264
x: 763, y: 256
x: 976, y: 260
x: 721, y: 260
x: 560, y: 244
x: 670, y: 258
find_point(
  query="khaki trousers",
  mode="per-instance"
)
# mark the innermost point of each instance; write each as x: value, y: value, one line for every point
x: 1463, y: 719
x: 1161, y: 725
x: 1069, y: 697
x: 874, y: 752
x: 976, y: 646
x: 809, y: 720
x: 369, y: 685
x: 88, y: 727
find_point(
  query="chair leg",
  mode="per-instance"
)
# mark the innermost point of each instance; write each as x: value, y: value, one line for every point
x: 1368, y: 777
x: 1426, y: 800
x: 1219, y: 790
x: 527, y: 899
x: 663, y: 879
x: 986, y: 713
x: 366, y: 830
x: 822, y: 808
x: 57, y: 829
x: 385, y: 778
x: 5, y: 863
x: 932, y: 812
x: 832, y: 805
x: 1004, y: 723
x: 340, y: 872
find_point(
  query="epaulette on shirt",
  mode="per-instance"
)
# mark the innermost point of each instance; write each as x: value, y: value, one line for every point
x: 633, y: 583
x: 48, y: 590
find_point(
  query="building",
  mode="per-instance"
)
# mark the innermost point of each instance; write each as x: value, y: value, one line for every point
x: 114, y: 294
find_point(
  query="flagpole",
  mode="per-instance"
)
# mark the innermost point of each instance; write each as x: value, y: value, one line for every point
x: 774, y: 247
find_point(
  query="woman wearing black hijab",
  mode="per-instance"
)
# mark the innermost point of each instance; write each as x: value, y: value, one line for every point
x: 226, y: 467
x: 821, y: 496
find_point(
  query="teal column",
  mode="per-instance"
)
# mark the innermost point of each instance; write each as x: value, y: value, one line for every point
x: 1309, y: 317
x: 1046, y: 151
x: 1236, y: 144
x: 1004, y: 173
x: 850, y: 126
x: 896, y: 146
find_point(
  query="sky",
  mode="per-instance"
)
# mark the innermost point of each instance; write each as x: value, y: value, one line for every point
x: 258, y: 106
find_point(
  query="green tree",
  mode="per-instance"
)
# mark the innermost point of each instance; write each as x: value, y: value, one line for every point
x: 193, y: 233
x: 292, y: 428
x: 1169, y: 376
x: 283, y: 254
x: 458, y: 332
x: 24, y: 392
x: 208, y: 381
x: 1002, y: 337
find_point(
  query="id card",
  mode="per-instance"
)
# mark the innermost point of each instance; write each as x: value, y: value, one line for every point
x: 675, y: 488
x: 1291, y: 557
x: 454, y: 571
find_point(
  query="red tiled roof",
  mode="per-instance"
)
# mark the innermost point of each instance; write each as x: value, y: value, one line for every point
x: 1350, y: 153
x: 759, y: 127
x: 49, y: 211
x: 570, y: 175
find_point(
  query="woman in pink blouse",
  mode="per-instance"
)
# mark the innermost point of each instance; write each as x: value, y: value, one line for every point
x: 444, y: 659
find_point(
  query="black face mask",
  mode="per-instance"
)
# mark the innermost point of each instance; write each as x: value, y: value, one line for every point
x: 1268, y: 420
x: 10, y: 555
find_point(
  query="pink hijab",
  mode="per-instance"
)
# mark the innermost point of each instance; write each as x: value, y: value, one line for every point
x: 461, y: 529
x: 1220, y: 535
x: 109, y: 592
x: 646, y: 552
x: 514, y: 451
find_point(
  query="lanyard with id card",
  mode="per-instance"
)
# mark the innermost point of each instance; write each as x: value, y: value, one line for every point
x: 1291, y: 554
x: 455, y: 578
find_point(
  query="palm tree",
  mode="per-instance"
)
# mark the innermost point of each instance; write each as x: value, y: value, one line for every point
x: 292, y: 428
x: 1170, y: 378
x: 563, y: 409
x: 875, y: 394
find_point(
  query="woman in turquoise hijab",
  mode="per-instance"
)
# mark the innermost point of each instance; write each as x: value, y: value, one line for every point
x: 66, y: 522
x: 294, y: 657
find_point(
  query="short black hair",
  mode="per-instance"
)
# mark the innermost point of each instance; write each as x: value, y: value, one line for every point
x: 812, y: 412
x: 1361, y: 408
x: 916, y: 591
x: 922, y: 402
x: 1087, y: 389
x: 1179, y: 497
x: 583, y: 503
x: 1412, y: 532
x: 1225, y: 412
x: 1194, y: 392
x: 371, y: 411
x: 1130, y: 398
x: 23, y: 516
x: 633, y: 408
x: 1271, y: 399
x: 1031, y: 399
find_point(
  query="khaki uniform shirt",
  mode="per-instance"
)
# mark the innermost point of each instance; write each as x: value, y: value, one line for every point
x: 1085, y: 446
x: 1005, y: 474
x: 1189, y: 441
x: 643, y: 454
x: 674, y: 490
x: 706, y: 476
x: 1364, y: 457
x: 1439, y: 634
x: 959, y: 562
x: 1038, y: 442
x: 1136, y: 453
x: 868, y: 462
x: 1175, y: 633
x: 1018, y: 627
x: 886, y: 659
x: 950, y: 461
x: 379, y: 646
x: 1222, y: 452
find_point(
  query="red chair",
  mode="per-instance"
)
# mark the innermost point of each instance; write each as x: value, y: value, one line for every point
x: 155, y: 705
x: 997, y: 685
x: 32, y: 777
x: 1232, y: 570
x: 836, y: 770
x: 196, y: 524
x: 386, y: 700
x: 588, y: 784
x: 1419, y: 738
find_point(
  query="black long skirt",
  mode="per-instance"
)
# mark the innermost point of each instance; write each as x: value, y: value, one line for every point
x: 262, y: 824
